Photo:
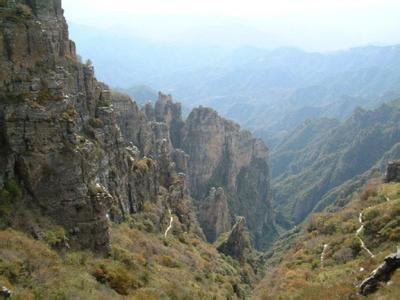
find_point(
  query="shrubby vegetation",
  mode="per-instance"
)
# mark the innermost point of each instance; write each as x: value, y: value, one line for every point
x: 297, y: 272
x: 141, y: 265
x: 317, y: 160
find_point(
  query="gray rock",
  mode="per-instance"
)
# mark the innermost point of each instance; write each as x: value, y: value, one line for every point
x: 381, y: 274
x: 214, y: 215
x: 238, y: 241
x: 393, y: 172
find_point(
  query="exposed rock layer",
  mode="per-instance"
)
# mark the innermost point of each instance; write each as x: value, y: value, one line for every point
x: 82, y: 154
x: 221, y: 154
x: 238, y: 240
x: 393, y: 172
x: 382, y: 273
x: 214, y: 215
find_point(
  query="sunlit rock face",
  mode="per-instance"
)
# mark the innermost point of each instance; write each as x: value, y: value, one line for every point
x: 214, y: 214
x: 222, y: 154
x: 83, y: 155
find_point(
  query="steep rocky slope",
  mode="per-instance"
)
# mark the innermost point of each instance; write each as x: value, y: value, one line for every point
x: 84, y: 168
x: 76, y: 155
x: 316, y: 160
x: 340, y: 253
x: 221, y: 154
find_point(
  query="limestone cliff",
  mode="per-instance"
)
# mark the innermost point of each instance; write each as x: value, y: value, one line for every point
x: 79, y: 155
x: 222, y: 154
x: 393, y: 172
x: 214, y: 215
x: 238, y: 241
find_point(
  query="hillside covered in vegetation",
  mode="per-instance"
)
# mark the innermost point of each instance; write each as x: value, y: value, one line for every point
x: 334, y: 251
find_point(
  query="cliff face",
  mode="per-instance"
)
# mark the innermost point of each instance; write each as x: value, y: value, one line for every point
x: 76, y: 150
x: 47, y: 102
x: 80, y: 155
x: 224, y: 155
x: 214, y: 215
x: 238, y: 241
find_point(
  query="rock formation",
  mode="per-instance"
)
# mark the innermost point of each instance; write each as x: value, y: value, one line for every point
x: 214, y: 215
x: 393, y: 172
x: 81, y: 155
x: 77, y: 151
x: 380, y: 274
x: 222, y: 154
x: 238, y: 240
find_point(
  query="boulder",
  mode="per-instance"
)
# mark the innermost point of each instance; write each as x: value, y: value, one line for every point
x: 381, y: 274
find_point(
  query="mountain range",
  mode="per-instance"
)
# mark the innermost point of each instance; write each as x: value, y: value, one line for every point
x: 105, y: 196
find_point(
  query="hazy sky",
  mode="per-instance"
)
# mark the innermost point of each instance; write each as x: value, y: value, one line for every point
x: 309, y: 24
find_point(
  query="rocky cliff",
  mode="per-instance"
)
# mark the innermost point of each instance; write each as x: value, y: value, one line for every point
x: 77, y: 152
x: 214, y: 215
x: 80, y: 155
x: 222, y: 154
x: 238, y: 240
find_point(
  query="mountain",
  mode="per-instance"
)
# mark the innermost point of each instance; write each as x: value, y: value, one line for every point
x: 321, y: 155
x: 270, y: 92
x: 101, y: 198
x: 341, y: 253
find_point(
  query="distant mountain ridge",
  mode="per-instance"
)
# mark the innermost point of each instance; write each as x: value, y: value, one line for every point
x: 322, y: 155
x: 269, y: 92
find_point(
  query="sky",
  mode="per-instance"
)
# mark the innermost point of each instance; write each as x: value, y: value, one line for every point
x: 315, y: 25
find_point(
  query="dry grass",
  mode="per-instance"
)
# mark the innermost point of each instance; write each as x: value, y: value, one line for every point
x: 299, y: 274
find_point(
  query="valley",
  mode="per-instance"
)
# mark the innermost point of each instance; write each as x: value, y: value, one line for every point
x: 122, y: 192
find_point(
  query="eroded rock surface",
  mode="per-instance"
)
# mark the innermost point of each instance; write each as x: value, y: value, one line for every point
x: 222, y: 154
x: 393, y: 172
x: 214, y: 214
x: 238, y: 240
x: 381, y: 274
x: 83, y: 155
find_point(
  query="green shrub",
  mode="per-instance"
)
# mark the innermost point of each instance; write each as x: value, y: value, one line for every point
x: 144, y: 165
x: 44, y: 95
x: 117, y: 277
x: 71, y: 111
x: 11, y: 191
x: 124, y: 256
x: 55, y: 237
x: 371, y: 214
x: 168, y: 261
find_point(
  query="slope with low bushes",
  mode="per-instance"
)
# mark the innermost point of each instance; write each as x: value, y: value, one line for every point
x: 298, y: 270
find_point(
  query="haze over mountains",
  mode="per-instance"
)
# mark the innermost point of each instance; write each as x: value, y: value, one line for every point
x: 104, y: 196
x: 267, y: 91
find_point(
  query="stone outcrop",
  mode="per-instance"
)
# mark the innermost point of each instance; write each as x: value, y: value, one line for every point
x: 82, y: 155
x: 170, y: 113
x: 222, y: 154
x: 393, y: 172
x: 238, y: 240
x: 381, y: 274
x: 5, y: 293
x: 47, y: 102
x: 79, y: 153
x: 214, y: 214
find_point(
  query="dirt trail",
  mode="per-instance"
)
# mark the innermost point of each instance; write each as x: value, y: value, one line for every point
x: 170, y: 223
x: 323, y: 254
x: 358, y: 232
